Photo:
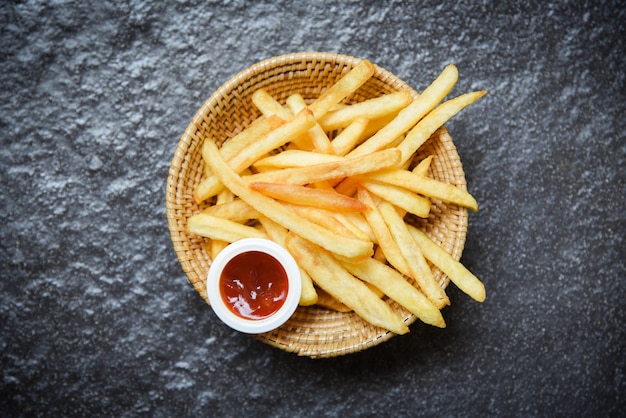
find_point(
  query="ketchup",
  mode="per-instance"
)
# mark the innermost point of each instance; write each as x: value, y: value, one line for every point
x: 254, y: 285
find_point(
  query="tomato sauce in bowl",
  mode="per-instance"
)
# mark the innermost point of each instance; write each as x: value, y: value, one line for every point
x: 254, y: 285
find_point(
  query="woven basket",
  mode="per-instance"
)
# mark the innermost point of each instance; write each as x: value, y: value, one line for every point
x: 312, y: 331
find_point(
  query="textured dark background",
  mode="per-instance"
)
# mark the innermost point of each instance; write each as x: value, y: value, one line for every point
x: 97, y: 316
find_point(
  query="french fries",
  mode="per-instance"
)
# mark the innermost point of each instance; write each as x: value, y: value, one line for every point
x: 426, y: 186
x: 331, y: 183
x: 394, y: 285
x: 246, y: 156
x: 347, y: 247
x: 433, y: 121
x: 331, y: 276
x: 410, y: 115
x: 418, y: 268
x: 316, y: 134
x: 258, y: 129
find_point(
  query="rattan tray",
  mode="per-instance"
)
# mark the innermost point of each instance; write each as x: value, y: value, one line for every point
x: 312, y: 331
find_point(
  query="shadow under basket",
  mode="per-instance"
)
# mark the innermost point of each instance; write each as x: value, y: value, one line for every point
x: 312, y: 331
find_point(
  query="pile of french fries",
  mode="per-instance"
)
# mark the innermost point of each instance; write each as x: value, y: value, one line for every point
x: 332, y: 183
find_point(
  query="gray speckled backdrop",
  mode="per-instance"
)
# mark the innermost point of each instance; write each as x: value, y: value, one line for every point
x: 97, y: 316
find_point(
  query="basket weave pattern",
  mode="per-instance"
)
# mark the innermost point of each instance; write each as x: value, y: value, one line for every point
x: 312, y: 331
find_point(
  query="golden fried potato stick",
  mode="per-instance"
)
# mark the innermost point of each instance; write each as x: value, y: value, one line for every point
x: 345, y: 167
x: 345, y: 86
x: 433, y: 121
x: 349, y: 137
x: 411, y: 114
x: 278, y: 234
x: 331, y: 276
x: 375, y: 108
x: 350, y: 248
x: 308, y: 196
x: 294, y: 158
x: 421, y: 169
x: 221, y: 229
x: 237, y: 210
x: 419, y: 268
x: 318, y: 137
x: 394, y: 285
x: 426, y: 186
x: 455, y: 270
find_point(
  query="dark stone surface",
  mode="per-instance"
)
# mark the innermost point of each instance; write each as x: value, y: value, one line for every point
x: 97, y: 316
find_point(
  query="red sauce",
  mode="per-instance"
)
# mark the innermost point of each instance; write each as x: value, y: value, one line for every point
x: 254, y: 285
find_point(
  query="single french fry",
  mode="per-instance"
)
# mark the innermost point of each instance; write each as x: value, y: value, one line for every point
x: 411, y: 114
x: 375, y: 108
x: 401, y: 197
x: 346, y: 167
x: 394, y: 285
x: 294, y: 158
x: 419, y: 268
x: 345, y: 86
x: 351, y: 248
x: 278, y: 234
x: 308, y: 196
x: 237, y: 210
x: 349, y: 137
x: 455, y: 270
x: 319, y: 139
x: 331, y: 276
x: 248, y: 155
x: 426, y: 186
x: 385, y: 240
x: 421, y: 169
x: 221, y: 229
x: 433, y: 121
